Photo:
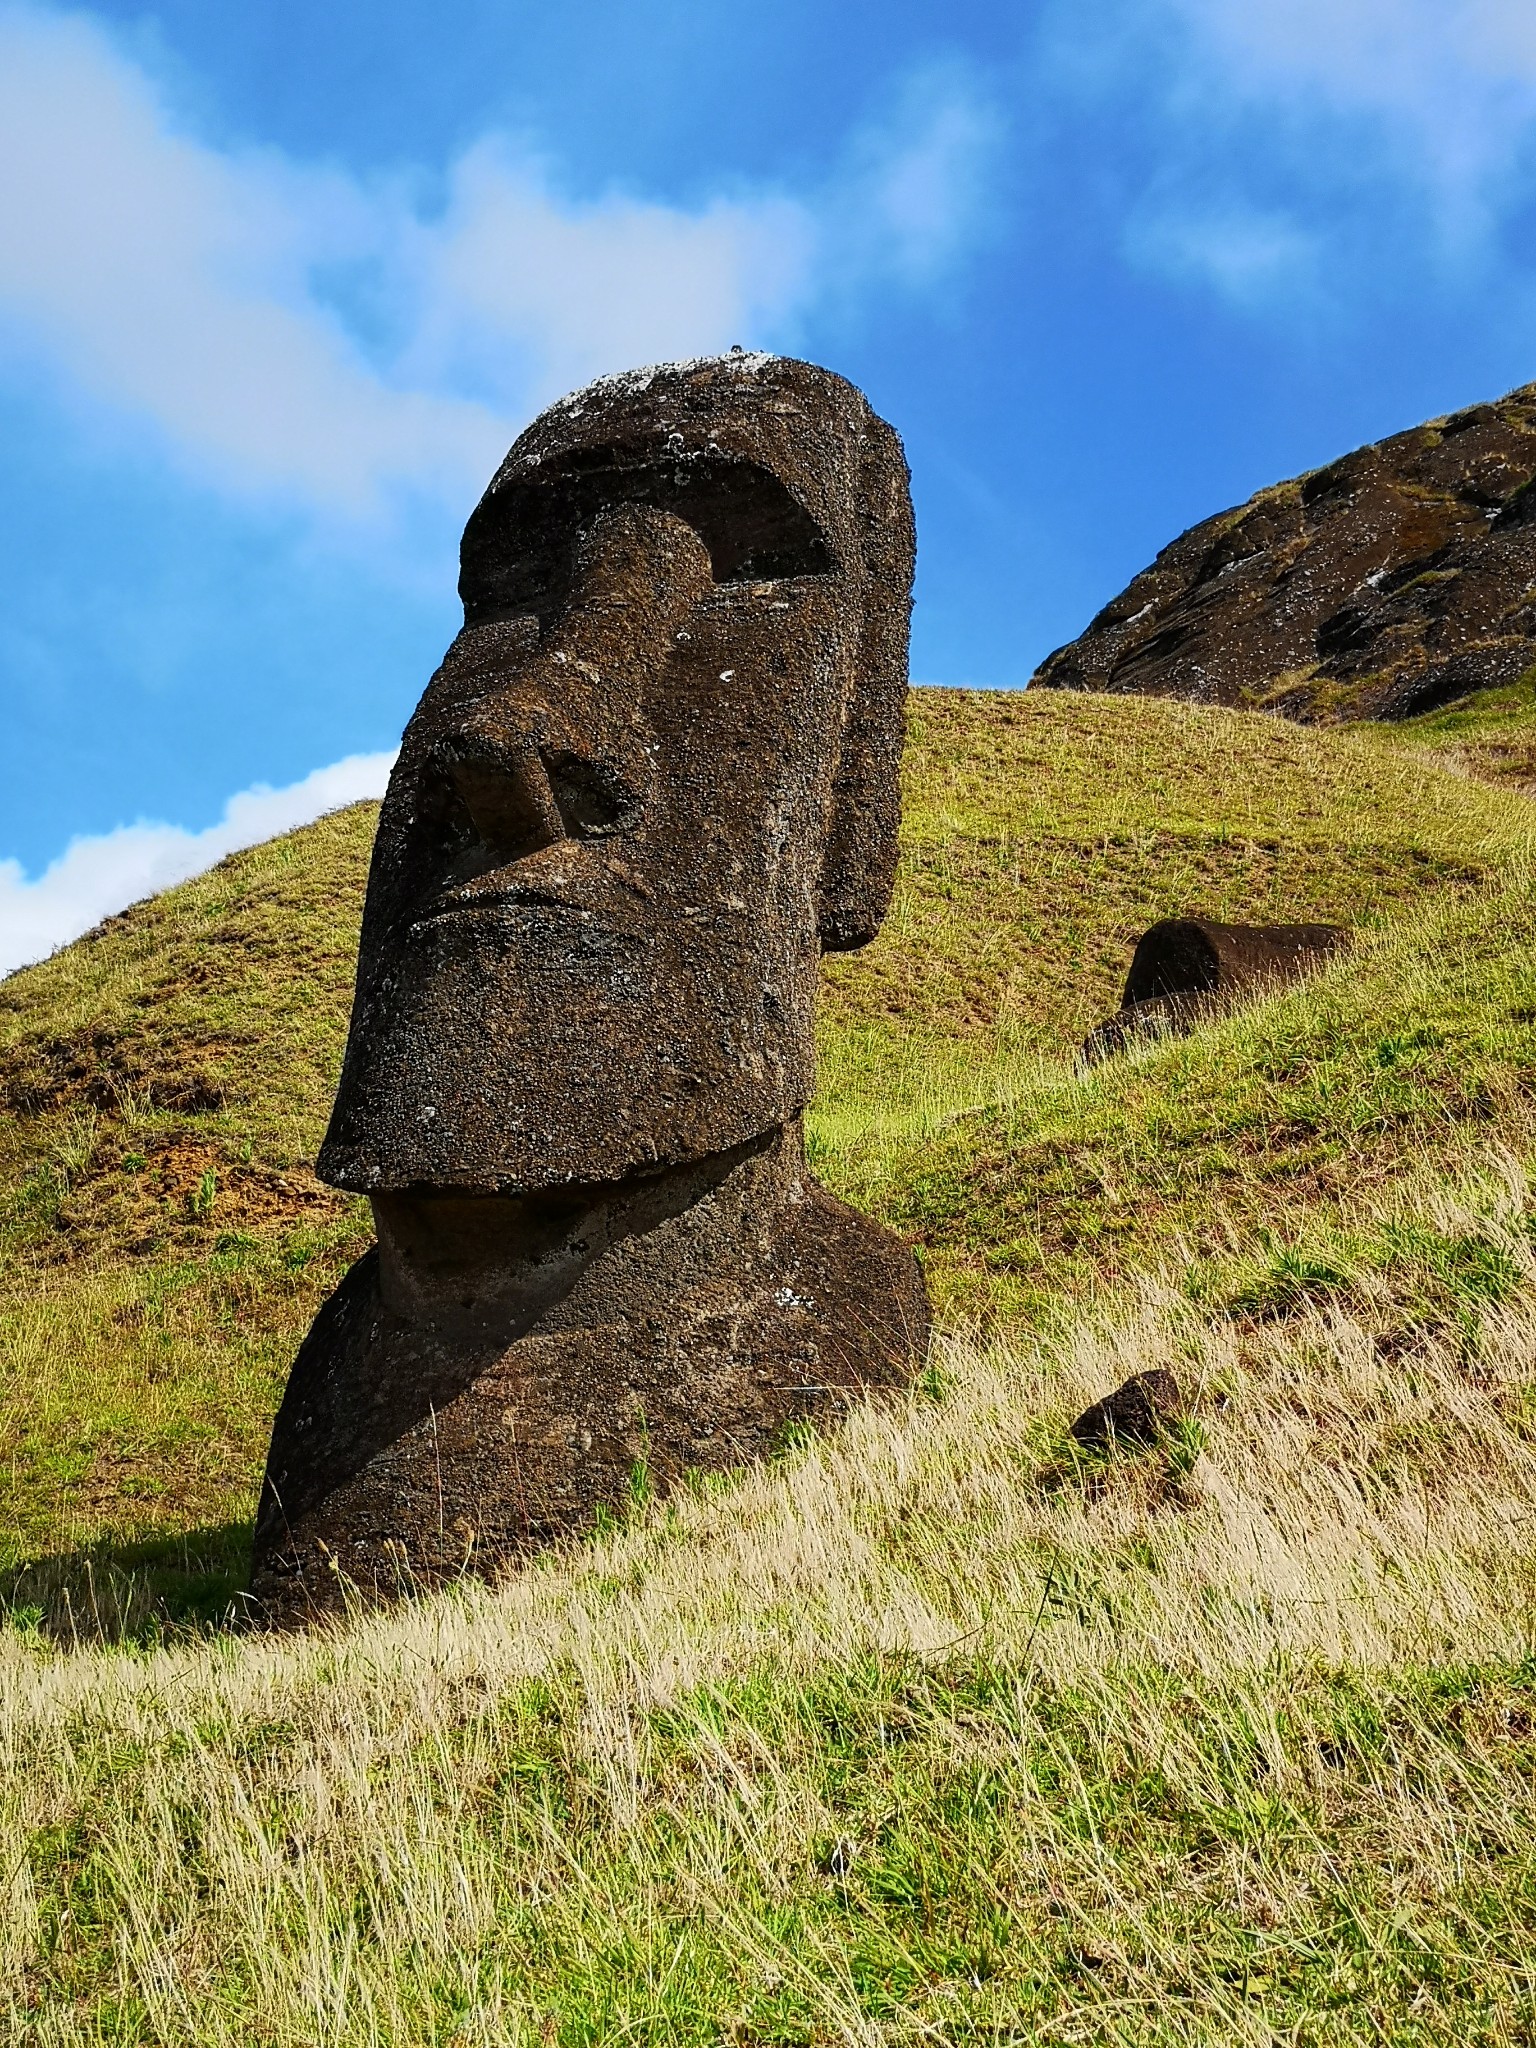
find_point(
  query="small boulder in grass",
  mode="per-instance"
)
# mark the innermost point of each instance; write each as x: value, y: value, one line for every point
x: 1134, y: 1414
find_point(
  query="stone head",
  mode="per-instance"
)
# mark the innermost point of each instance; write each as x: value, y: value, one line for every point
x: 655, y: 776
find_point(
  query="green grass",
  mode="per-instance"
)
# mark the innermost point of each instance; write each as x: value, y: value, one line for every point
x: 938, y: 1729
x: 1419, y: 1045
x: 163, y: 1238
x: 1214, y: 1867
x: 1490, y: 734
x: 164, y: 1241
x: 1039, y: 840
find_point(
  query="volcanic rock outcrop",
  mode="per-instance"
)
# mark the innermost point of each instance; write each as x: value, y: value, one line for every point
x: 654, y: 778
x: 1188, y: 968
x: 1393, y: 581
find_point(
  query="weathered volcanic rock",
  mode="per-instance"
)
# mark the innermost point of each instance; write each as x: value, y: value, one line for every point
x: 1141, y: 1023
x: 1185, y: 969
x: 1136, y: 1413
x: 653, y: 780
x: 1396, y: 579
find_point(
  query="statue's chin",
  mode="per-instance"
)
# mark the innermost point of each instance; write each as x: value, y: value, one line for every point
x: 473, y: 1264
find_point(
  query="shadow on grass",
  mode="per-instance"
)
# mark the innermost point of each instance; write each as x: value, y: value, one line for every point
x: 132, y: 1594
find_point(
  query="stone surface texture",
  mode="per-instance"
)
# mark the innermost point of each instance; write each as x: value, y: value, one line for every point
x: 1389, y: 583
x: 654, y: 778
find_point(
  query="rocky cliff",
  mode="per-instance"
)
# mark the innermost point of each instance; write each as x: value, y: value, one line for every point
x: 1396, y: 579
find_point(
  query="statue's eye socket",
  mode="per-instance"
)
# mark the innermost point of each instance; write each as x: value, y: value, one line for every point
x: 772, y: 564
x: 520, y: 543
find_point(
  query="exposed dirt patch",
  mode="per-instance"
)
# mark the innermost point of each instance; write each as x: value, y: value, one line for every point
x: 103, y: 1069
x: 179, y: 1190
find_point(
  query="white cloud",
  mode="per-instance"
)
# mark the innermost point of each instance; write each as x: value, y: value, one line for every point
x: 1441, y: 93
x: 1413, y: 57
x: 515, y: 291
x: 219, y: 295
x: 1249, y: 255
x: 171, y: 281
x: 96, y: 876
x: 917, y: 190
x: 1298, y: 156
x: 316, y: 337
x: 188, y: 286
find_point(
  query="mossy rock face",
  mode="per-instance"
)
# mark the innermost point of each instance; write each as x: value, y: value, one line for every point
x: 1391, y: 582
x: 165, y: 1081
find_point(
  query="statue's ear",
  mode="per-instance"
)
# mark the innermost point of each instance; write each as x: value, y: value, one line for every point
x: 859, y: 867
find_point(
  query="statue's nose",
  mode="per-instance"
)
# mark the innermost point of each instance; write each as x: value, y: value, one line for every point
x: 505, y: 785
x: 528, y: 783
x: 560, y: 751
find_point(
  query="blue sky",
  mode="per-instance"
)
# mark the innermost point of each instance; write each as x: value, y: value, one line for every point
x: 279, y: 282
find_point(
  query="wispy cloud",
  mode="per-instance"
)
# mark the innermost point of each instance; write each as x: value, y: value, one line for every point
x: 1458, y: 77
x: 166, y: 279
x: 520, y: 294
x: 919, y: 186
x: 1432, y: 102
x: 325, y: 339
x: 1249, y: 254
x: 1303, y: 153
x: 96, y: 876
x: 320, y: 335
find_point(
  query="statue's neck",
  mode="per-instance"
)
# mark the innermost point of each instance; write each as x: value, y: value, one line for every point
x: 476, y: 1265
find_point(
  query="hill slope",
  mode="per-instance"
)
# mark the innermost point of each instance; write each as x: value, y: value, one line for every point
x: 939, y: 1729
x: 166, y: 1079
x: 1389, y: 583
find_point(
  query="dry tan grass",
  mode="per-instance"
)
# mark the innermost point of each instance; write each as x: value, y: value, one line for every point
x: 525, y: 1814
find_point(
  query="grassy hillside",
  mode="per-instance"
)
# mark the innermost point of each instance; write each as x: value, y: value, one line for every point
x: 940, y: 1730
x: 163, y: 1238
x: 934, y: 1732
x: 167, y: 1078
x: 1490, y: 735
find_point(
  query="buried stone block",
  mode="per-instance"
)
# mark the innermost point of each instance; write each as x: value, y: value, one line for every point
x: 1189, y: 968
x: 654, y: 778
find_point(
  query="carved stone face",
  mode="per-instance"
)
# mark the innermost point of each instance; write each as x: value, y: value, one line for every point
x: 654, y: 776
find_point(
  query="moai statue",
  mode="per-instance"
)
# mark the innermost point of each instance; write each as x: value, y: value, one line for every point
x: 654, y: 778
x: 1187, y: 970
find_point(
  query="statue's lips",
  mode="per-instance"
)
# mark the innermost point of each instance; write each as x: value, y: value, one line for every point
x: 572, y: 875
